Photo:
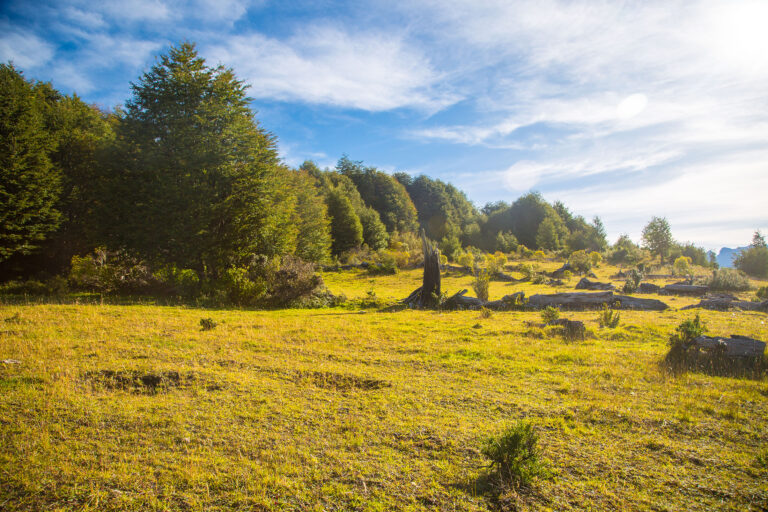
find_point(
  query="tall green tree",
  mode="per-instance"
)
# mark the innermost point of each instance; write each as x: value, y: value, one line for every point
x: 198, y: 182
x: 29, y: 184
x: 346, y: 228
x: 383, y: 193
x: 313, y: 242
x: 657, y: 237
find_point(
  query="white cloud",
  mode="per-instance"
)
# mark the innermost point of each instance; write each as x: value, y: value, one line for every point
x: 327, y: 65
x: 24, y: 48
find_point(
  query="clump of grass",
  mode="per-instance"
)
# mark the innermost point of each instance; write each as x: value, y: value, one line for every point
x: 515, y: 456
x: 549, y: 315
x: 728, y: 279
x: 481, y: 284
x: 609, y: 317
x: 207, y: 324
x: 485, y: 312
x: 762, y: 293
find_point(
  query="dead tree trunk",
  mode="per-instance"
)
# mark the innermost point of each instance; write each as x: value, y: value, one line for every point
x: 430, y: 288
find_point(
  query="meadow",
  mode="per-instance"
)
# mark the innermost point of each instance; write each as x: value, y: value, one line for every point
x: 137, y: 407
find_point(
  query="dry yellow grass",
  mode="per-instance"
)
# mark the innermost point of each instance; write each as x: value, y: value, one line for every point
x: 338, y: 410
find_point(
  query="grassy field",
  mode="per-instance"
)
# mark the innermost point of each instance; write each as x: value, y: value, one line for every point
x: 136, y: 408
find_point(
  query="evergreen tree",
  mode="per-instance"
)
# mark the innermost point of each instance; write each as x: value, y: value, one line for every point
x: 197, y: 178
x: 311, y: 217
x: 346, y: 229
x: 29, y: 185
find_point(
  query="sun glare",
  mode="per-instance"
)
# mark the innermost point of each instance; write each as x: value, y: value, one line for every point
x: 631, y: 106
x: 739, y: 35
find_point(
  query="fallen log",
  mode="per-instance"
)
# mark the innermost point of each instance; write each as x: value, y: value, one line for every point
x: 507, y: 302
x: 735, y: 346
x: 724, y: 304
x: 685, y: 289
x: 459, y: 301
x: 585, y: 301
x: 586, y: 284
x: 648, y: 288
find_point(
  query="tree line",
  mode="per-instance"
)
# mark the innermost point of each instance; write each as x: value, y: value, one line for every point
x: 183, y: 177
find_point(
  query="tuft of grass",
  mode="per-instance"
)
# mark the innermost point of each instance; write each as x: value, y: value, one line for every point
x: 481, y: 284
x: 608, y: 317
x: 485, y: 313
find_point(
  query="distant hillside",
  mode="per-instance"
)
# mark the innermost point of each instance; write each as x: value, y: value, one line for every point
x: 726, y: 255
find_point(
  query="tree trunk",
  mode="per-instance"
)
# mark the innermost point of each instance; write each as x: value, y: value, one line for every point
x: 430, y: 288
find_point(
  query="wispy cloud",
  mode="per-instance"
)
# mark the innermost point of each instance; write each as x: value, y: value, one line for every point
x: 327, y: 65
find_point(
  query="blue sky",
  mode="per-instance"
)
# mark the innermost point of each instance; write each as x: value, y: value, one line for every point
x: 620, y: 109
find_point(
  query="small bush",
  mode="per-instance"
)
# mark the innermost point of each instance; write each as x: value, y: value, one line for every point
x: 688, y: 330
x: 466, y: 260
x: 485, y: 312
x: 527, y: 270
x: 549, y: 315
x: 682, y: 266
x: 386, y: 266
x: 609, y: 317
x: 481, y: 284
x: 753, y: 261
x: 762, y: 293
x: 207, y: 324
x: 539, y: 255
x: 595, y: 258
x: 515, y: 456
x: 580, y: 261
x: 728, y: 279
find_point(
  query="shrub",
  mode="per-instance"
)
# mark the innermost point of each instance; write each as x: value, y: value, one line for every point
x: 294, y: 280
x: 237, y: 287
x: 682, y: 266
x: 539, y: 255
x: 567, y: 275
x: 481, y: 284
x: 514, y: 455
x: 466, y: 260
x: 595, y: 258
x: 387, y: 265
x: 762, y: 293
x: 580, y: 261
x: 753, y: 261
x: 183, y: 282
x: 494, y: 263
x: 443, y: 260
x: 207, y: 324
x: 527, y: 270
x: 729, y: 279
x: 688, y: 330
x: 549, y: 315
x: 485, y: 312
x: 609, y: 317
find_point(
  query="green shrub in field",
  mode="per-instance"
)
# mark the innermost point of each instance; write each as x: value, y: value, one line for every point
x: 595, y: 258
x: 682, y: 266
x: 515, y: 456
x: 485, y: 312
x: 387, y: 265
x: 762, y: 293
x: 728, y: 279
x: 688, y: 330
x: 481, y: 284
x: 580, y: 261
x: 753, y: 261
x: 466, y: 260
x: 609, y: 317
x: 549, y: 315
x: 238, y: 287
x: 207, y: 324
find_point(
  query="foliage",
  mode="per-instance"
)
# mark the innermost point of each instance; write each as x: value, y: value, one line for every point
x: 595, y: 258
x: 383, y: 193
x: 387, y: 264
x: 515, y: 456
x: 207, y: 324
x: 728, y: 279
x: 443, y: 210
x: 753, y: 261
x: 580, y: 261
x: 481, y: 284
x: 688, y: 330
x: 494, y: 263
x: 762, y: 293
x: 657, y: 237
x: 313, y: 239
x: 450, y: 246
x: 466, y: 260
x: 195, y: 181
x: 567, y: 275
x: 682, y: 266
x: 609, y: 317
x: 374, y: 232
x: 346, y: 229
x: 550, y: 315
x: 625, y: 251
x: 29, y: 185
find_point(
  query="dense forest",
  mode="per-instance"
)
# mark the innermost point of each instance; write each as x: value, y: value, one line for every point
x: 183, y: 192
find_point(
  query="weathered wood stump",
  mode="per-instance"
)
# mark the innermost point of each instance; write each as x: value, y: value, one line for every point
x: 428, y: 294
x: 572, y: 329
x: 586, y: 284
